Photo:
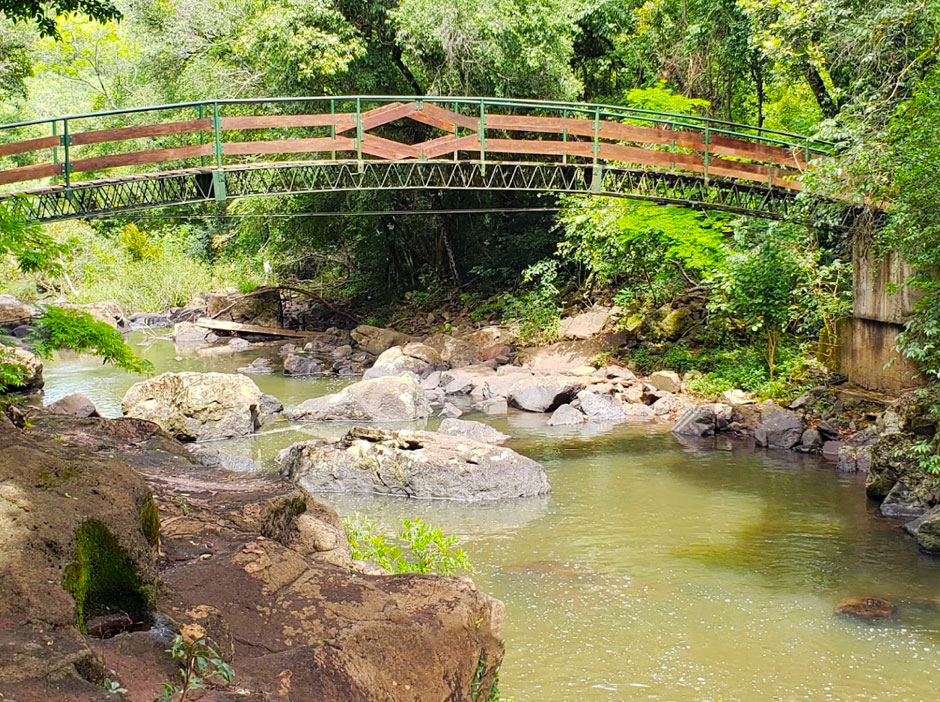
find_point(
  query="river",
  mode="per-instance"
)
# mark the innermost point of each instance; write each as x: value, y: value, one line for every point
x: 656, y: 570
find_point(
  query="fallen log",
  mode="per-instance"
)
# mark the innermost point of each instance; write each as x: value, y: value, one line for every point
x: 222, y: 325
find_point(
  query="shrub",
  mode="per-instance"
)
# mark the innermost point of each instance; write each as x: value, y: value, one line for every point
x: 419, y: 548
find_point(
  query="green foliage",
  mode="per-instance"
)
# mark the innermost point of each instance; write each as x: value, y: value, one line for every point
x: 26, y: 242
x: 139, y: 268
x: 59, y: 329
x: 199, y: 663
x: 138, y: 244
x: 419, y: 548
x: 925, y: 455
x: 650, y: 252
x: 756, y: 289
x: 44, y: 12
x: 536, y: 309
x: 660, y: 98
x: 12, y: 371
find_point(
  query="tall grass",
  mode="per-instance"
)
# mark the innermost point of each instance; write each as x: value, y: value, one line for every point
x: 141, y: 272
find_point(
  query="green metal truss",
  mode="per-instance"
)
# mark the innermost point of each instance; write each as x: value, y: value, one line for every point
x: 128, y: 194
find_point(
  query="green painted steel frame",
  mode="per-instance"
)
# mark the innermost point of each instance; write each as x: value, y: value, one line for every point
x: 199, y: 185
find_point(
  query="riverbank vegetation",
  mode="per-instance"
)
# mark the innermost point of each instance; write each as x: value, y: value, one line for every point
x: 747, y: 303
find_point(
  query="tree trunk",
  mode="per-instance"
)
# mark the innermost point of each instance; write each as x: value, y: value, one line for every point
x: 826, y: 102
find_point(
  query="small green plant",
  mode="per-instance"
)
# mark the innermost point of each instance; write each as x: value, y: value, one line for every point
x: 199, y: 662
x: 420, y: 548
x: 113, y: 687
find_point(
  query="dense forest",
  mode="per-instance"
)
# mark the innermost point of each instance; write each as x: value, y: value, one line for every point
x: 862, y: 75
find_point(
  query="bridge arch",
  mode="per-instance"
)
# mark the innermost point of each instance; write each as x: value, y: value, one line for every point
x: 124, y: 160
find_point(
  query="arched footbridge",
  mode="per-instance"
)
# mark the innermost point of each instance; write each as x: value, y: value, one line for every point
x: 98, y: 164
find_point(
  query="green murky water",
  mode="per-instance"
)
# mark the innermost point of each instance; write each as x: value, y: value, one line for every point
x: 656, y: 571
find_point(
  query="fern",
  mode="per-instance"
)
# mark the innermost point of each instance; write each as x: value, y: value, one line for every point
x: 72, y: 329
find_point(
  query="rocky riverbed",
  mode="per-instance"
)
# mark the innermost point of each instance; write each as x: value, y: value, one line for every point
x: 408, y: 380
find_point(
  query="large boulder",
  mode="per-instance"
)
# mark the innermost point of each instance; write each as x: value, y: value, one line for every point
x: 897, y: 477
x: 566, y: 415
x: 781, y: 430
x: 296, y: 364
x: 74, y: 405
x: 197, y: 406
x: 601, y: 408
x: 375, y: 340
x: 478, y: 431
x: 544, y: 393
x: 248, y: 561
x: 395, y: 361
x: 665, y: 380
x: 564, y: 356
x: 413, y: 464
x: 385, y: 399
x: 13, y: 312
x: 696, y: 421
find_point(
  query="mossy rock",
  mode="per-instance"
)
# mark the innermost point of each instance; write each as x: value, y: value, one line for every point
x: 103, y: 578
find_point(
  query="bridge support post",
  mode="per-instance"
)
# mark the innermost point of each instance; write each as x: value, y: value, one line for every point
x: 218, y: 185
x: 865, y: 349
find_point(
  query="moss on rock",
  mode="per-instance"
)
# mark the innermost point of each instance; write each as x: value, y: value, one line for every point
x: 102, y: 578
x: 150, y: 521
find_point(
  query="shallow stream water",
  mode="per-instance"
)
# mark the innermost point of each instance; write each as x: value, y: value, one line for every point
x: 656, y: 570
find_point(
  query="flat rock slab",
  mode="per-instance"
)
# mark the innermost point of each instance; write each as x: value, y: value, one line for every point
x: 413, y: 464
x: 385, y: 399
x: 478, y: 431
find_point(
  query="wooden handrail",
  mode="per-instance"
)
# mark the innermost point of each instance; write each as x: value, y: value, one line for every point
x: 603, y: 140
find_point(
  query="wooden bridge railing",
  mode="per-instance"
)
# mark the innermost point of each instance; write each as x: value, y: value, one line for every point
x: 230, y: 133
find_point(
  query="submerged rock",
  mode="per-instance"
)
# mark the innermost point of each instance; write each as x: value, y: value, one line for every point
x: 867, y: 608
x: 386, y: 399
x: 413, y: 464
x: 258, y: 366
x: 197, y: 406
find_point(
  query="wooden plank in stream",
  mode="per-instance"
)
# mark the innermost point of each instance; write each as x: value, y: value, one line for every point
x: 222, y: 325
